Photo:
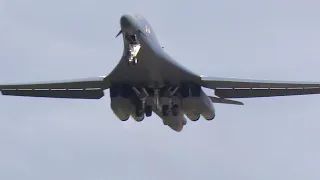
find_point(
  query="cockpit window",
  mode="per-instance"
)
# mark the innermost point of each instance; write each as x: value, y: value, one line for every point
x: 148, y: 30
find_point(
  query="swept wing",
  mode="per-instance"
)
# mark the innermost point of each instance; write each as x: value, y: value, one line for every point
x: 87, y: 88
x: 249, y: 88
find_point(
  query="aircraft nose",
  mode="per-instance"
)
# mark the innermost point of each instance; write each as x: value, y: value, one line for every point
x: 125, y: 22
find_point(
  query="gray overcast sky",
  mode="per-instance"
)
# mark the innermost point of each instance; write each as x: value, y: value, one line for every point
x: 271, y: 138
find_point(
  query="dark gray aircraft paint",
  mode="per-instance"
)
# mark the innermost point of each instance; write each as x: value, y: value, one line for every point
x: 148, y: 81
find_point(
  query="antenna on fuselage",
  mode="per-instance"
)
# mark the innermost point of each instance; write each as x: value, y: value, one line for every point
x: 120, y: 32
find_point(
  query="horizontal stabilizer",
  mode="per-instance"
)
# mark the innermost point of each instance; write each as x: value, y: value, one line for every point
x: 224, y: 101
x: 73, y: 94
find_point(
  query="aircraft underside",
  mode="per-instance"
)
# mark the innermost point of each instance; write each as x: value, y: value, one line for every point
x: 172, y: 104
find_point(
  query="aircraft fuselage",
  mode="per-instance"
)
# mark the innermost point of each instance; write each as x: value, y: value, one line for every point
x: 154, y: 76
x: 155, y: 68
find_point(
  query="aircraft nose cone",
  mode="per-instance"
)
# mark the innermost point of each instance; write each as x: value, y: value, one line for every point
x: 125, y: 22
x: 128, y: 24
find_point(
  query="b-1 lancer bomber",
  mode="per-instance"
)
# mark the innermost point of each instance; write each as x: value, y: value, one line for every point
x: 148, y: 80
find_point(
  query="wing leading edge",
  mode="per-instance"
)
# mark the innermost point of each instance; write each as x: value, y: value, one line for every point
x: 88, y: 88
x: 247, y: 88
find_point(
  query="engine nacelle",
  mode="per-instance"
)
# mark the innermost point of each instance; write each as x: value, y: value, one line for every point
x: 121, y: 107
x: 193, y: 107
x: 193, y: 116
x: 124, y: 103
x: 137, y: 118
x: 208, y: 111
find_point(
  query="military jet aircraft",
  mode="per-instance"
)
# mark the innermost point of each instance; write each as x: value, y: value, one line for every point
x: 148, y: 80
